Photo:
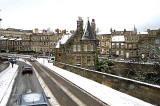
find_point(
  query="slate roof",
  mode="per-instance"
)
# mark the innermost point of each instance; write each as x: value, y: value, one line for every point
x: 88, y: 34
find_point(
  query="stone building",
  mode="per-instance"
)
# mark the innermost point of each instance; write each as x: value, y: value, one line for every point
x: 149, y: 46
x: 14, y: 40
x: 79, y: 48
x: 43, y: 43
x: 104, y: 46
x: 14, y: 33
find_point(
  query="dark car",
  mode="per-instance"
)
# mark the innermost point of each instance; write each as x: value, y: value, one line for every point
x: 33, y: 99
x: 12, y: 60
x: 27, y: 69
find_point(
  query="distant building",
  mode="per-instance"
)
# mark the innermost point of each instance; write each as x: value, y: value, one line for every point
x: 149, y: 46
x: 79, y: 48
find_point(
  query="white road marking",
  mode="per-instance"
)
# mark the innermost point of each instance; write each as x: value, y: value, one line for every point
x: 46, y: 89
x: 74, y: 98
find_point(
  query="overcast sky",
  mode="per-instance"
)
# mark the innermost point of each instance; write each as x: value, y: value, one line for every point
x: 63, y: 14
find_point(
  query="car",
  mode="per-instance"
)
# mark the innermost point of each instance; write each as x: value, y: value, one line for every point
x: 27, y: 69
x: 12, y: 60
x: 32, y: 59
x: 51, y: 60
x: 33, y: 99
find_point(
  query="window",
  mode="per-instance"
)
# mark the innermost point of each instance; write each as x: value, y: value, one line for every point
x: 122, y: 45
x: 89, y: 60
x: 117, y: 44
x: 78, y: 61
x: 113, y: 45
x: 102, y: 44
x: 78, y: 48
x: 113, y: 52
x: 117, y: 52
x: 130, y: 46
x: 107, y: 44
x: 157, y: 41
x: 85, y: 47
x: 91, y: 47
x: 122, y: 52
x: 74, y: 48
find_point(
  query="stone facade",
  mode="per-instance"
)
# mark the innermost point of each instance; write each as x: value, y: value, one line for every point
x: 14, y: 40
x: 149, y: 46
x: 80, y: 47
x: 126, y: 44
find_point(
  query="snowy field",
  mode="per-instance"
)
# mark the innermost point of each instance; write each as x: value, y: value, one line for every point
x: 106, y: 94
x: 7, y: 78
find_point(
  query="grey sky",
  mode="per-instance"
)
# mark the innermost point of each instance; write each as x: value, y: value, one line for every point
x: 118, y: 14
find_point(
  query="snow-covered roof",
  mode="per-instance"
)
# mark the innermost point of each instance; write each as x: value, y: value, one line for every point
x: 119, y: 38
x: 63, y: 40
x: 3, y: 38
x: 19, y: 39
x: 103, y: 32
x: 12, y: 39
x: 143, y: 32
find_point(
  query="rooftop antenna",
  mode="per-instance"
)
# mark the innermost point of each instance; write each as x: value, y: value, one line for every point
x: 0, y: 19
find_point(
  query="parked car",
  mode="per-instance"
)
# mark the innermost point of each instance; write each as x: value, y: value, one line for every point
x: 51, y: 60
x: 27, y: 69
x: 33, y: 99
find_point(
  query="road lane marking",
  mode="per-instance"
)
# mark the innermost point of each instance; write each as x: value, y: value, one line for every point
x: 46, y: 89
x: 74, y: 98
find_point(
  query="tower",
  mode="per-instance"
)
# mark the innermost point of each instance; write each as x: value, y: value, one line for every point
x: 80, y: 24
x: 93, y: 26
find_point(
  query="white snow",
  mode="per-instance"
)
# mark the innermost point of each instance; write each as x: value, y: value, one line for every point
x: 3, y: 38
x: 7, y: 78
x: 12, y: 39
x: 63, y: 40
x: 143, y: 32
x: 119, y: 38
x: 102, y: 92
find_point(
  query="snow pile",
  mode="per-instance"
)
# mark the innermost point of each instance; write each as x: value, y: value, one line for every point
x: 7, y: 78
x: 102, y: 92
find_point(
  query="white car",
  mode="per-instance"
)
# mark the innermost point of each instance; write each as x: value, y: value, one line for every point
x: 32, y: 59
x: 51, y: 60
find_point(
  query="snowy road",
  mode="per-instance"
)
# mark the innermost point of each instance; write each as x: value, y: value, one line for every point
x: 23, y: 84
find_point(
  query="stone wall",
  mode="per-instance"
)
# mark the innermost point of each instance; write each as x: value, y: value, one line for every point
x: 136, y: 67
x: 147, y: 92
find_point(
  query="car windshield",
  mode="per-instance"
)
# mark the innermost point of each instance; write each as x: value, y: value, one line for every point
x: 39, y: 105
x: 26, y: 66
x: 52, y: 58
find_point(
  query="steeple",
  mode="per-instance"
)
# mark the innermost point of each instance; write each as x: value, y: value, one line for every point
x: 88, y: 34
x: 135, y: 30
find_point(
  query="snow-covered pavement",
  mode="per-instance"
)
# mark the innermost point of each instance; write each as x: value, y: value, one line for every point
x: 102, y: 92
x: 7, y: 78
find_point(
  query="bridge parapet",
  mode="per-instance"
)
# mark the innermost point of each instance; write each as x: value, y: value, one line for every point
x: 144, y: 91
